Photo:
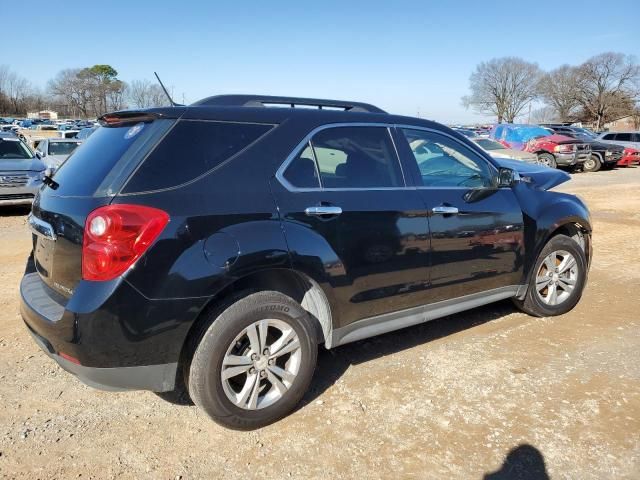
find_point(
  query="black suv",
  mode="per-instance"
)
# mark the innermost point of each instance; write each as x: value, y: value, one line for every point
x: 215, y: 246
x: 603, y: 155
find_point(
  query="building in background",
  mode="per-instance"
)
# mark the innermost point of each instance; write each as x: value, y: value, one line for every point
x: 43, y: 115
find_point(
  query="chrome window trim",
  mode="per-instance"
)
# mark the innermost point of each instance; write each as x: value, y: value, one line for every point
x: 307, y: 141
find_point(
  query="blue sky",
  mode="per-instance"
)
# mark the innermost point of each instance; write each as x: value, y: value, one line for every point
x: 404, y: 56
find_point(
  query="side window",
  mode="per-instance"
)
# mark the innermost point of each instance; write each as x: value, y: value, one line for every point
x: 498, y: 133
x: 609, y: 136
x: 623, y: 137
x: 301, y: 172
x: 445, y: 162
x: 356, y: 157
x: 191, y: 149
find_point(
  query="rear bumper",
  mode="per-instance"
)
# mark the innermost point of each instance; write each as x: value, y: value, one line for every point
x: 117, y: 338
x: 157, y: 378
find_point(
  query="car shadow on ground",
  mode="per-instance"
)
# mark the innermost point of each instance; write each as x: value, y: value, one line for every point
x: 333, y: 363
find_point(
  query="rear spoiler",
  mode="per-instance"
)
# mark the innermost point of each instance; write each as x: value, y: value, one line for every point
x: 131, y: 117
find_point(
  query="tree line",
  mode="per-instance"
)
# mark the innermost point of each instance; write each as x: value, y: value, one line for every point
x: 78, y: 92
x: 602, y: 89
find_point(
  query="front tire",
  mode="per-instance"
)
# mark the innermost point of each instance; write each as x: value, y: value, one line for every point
x: 547, y: 159
x: 255, y: 361
x: 592, y: 164
x: 557, y: 280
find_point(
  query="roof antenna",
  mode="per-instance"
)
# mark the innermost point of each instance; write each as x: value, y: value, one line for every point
x: 167, y: 93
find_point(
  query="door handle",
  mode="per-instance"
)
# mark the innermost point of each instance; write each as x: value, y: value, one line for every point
x: 445, y: 210
x: 322, y: 210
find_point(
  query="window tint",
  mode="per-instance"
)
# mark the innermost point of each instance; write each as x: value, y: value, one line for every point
x: 609, y: 136
x: 62, y: 148
x: 301, y: 172
x: 623, y: 137
x: 107, y: 157
x: 356, y: 157
x: 191, y: 149
x: 444, y: 162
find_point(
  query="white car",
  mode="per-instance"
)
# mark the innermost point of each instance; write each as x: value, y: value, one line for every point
x: 54, y: 151
x: 497, y: 150
x: 626, y: 139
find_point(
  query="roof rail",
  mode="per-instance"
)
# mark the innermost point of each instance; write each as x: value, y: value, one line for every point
x: 292, y: 102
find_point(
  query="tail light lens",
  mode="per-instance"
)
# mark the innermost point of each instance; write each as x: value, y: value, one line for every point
x: 115, y: 236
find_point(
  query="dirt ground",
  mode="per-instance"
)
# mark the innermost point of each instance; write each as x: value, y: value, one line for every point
x: 488, y: 392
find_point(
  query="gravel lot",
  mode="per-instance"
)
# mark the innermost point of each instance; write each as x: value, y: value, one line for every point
x: 489, y: 392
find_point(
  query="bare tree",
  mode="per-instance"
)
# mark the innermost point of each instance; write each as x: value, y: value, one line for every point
x: 73, y: 90
x: 608, y: 82
x: 503, y: 87
x: 544, y: 115
x: 559, y: 90
x: 145, y: 94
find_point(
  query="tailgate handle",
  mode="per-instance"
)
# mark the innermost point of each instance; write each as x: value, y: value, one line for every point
x: 40, y: 227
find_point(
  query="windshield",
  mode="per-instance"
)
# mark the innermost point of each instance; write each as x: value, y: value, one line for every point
x: 584, y: 132
x: 524, y: 134
x: 490, y: 144
x: 11, y: 148
x: 62, y: 148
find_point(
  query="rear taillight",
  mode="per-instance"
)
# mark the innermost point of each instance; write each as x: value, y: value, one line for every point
x: 115, y: 236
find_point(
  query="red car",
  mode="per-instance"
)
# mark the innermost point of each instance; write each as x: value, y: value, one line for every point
x: 629, y: 157
x: 552, y: 149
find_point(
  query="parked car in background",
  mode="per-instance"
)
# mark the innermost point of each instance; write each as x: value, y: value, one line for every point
x: 21, y: 171
x: 603, y: 155
x: 218, y: 244
x: 466, y: 132
x: 552, y: 150
x: 626, y: 139
x: 497, y: 150
x: 54, y: 151
x: 630, y: 156
x: 85, y: 133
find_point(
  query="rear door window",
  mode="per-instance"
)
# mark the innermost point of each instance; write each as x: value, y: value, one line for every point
x: 623, y: 137
x: 191, y: 149
x: 356, y: 157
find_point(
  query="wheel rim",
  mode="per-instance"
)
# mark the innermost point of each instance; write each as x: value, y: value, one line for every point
x: 556, y: 277
x: 544, y: 160
x: 261, y: 364
x: 589, y: 164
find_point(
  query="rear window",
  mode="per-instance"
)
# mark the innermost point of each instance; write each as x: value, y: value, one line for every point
x: 62, y: 148
x: 191, y: 149
x: 101, y: 164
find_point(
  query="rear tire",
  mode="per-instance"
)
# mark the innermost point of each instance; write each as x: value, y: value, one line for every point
x: 254, y: 362
x: 557, y: 279
x: 547, y: 159
x: 592, y: 164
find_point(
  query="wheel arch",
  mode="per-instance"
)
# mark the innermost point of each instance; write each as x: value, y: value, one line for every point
x: 297, y: 285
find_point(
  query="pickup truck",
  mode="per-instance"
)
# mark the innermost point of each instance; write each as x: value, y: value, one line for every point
x: 37, y: 133
x: 553, y: 150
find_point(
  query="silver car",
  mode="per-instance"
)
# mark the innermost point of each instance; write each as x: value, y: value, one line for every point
x: 625, y: 139
x: 21, y: 172
x: 497, y: 150
x: 54, y: 151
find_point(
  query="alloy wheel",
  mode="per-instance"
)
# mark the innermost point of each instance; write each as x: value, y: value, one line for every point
x: 261, y: 364
x: 556, y: 277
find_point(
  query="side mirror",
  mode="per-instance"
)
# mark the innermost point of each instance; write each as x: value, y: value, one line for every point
x: 507, y: 177
x: 39, y: 154
x: 49, y: 171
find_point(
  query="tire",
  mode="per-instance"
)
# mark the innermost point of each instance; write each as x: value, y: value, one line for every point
x: 547, y: 159
x: 236, y: 402
x: 592, y: 164
x: 534, y: 302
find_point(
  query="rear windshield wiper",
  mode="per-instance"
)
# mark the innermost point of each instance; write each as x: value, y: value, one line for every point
x: 50, y: 182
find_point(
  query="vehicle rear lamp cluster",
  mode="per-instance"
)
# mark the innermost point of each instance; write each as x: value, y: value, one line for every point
x: 115, y: 236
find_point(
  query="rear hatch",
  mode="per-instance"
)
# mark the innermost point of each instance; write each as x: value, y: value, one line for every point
x: 88, y: 179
